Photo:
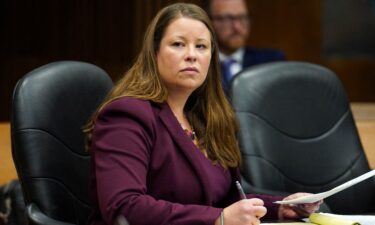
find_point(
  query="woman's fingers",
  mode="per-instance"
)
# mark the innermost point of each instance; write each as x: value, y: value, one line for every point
x: 255, y: 201
x: 245, y: 212
x: 256, y: 207
x: 259, y: 211
x: 300, y: 210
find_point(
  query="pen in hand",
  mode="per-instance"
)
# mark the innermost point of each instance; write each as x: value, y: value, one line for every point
x: 240, y: 190
x: 242, y: 193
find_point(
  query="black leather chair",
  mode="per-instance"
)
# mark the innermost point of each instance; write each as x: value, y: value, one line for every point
x: 297, y: 133
x: 51, y: 104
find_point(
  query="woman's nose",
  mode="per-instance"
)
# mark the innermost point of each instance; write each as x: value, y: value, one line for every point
x: 191, y: 54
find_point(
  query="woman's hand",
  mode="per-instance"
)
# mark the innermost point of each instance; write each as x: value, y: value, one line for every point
x: 244, y: 212
x: 297, y: 211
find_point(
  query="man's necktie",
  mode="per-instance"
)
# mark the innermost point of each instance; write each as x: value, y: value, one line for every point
x: 226, y: 69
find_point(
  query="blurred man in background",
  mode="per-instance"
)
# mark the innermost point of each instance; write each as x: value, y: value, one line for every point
x: 232, y: 24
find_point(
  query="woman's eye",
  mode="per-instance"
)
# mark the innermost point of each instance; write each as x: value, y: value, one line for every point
x: 201, y: 46
x: 177, y: 44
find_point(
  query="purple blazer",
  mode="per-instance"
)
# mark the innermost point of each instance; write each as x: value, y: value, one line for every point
x: 146, y: 168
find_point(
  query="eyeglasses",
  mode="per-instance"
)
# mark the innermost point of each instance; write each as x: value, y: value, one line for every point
x: 227, y: 20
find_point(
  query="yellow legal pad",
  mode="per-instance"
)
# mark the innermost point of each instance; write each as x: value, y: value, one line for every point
x: 293, y: 223
x: 317, y: 218
x: 320, y: 219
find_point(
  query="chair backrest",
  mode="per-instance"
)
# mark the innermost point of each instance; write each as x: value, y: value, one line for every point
x: 297, y: 133
x: 51, y: 104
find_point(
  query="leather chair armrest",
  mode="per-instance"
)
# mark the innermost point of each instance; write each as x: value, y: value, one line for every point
x: 37, y: 217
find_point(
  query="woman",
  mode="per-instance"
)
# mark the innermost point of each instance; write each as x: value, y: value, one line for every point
x: 163, y: 143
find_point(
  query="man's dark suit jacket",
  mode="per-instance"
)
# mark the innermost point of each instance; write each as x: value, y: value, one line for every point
x: 255, y: 56
x: 146, y: 168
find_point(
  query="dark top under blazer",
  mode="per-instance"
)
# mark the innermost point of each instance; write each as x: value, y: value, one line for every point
x: 146, y: 168
x: 255, y: 56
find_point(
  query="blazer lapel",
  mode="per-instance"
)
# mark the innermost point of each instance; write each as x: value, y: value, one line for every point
x: 248, y: 59
x: 187, y: 147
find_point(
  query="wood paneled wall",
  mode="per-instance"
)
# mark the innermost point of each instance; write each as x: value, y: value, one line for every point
x: 109, y: 34
x: 296, y: 27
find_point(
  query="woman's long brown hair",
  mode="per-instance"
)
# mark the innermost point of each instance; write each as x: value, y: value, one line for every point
x: 207, y: 109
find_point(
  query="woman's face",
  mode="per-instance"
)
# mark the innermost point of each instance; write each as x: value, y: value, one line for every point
x: 184, y: 56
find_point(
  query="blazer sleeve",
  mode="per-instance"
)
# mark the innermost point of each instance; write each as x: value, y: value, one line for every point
x: 272, y: 208
x: 121, y: 143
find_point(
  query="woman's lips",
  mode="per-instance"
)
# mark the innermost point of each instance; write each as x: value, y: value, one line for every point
x: 190, y: 70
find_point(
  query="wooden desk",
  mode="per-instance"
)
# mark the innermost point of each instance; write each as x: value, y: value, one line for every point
x: 7, y: 169
x: 364, y: 115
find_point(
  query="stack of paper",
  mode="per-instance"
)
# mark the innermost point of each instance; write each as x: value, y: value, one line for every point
x: 359, y: 219
x: 320, y: 196
x: 332, y: 219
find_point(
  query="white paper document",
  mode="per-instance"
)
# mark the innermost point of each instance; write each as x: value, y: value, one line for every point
x: 320, y: 196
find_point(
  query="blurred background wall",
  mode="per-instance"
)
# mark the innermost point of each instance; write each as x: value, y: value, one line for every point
x: 334, y: 33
